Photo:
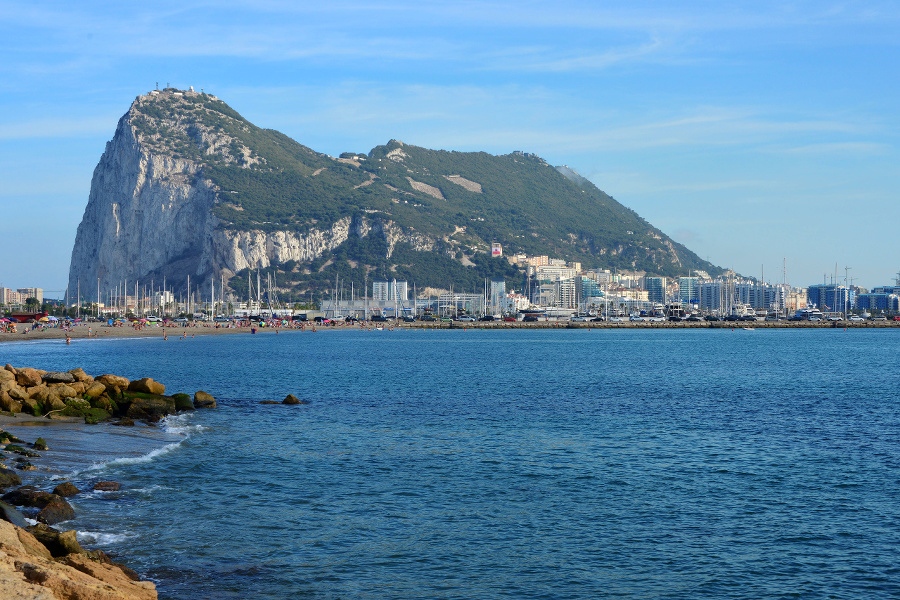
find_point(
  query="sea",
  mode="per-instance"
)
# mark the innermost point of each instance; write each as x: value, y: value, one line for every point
x: 470, y: 463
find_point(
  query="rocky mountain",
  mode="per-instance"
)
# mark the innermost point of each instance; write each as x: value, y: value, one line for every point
x: 187, y: 187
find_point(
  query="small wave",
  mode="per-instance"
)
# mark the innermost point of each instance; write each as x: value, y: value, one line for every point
x: 101, y: 539
x: 136, y: 460
x: 180, y: 425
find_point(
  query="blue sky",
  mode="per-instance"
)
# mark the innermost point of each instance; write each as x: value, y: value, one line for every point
x: 759, y: 134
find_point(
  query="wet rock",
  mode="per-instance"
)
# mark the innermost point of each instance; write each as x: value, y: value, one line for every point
x: 21, y: 451
x: 58, y: 543
x: 107, y: 486
x: 55, y: 511
x: 183, y: 402
x: 66, y: 489
x: 59, y: 377
x: 147, y: 407
x: 27, y: 495
x: 147, y: 386
x: 9, y: 513
x: 204, y: 400
x: 292, y: 399
x: 269, y: 402
x: 124, y: 422
x: 40, y: 444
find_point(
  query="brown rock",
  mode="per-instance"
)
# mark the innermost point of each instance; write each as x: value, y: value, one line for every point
x: 17, y: 393
x: 150, y: 408
x: 80, y: 375
x: 107, y: 486
x: 38, y: 392
x: 27, y: 495
x: 6, y: 375
x: 55, y: 511
x: 147, y: 386
x: 28, y: 377
x: 8, y: 478
x: 30, y: 405
x: 79, y: 387
x: 10, y: 368
x: 66, y: 489
x: 269, y: 402
x: 95, y: 390
x: 8, y: 404
x: 66, y: 391
x: 28, y: 572
x: 124, y: 422
x: 204, y: 400
x: 7, y: 385
x: 114, y: 381
x: 292, y: 399
x: 59, y: 543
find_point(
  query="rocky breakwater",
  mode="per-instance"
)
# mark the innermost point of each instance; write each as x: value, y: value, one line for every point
x: 74, y: 393
x: 38, y: 561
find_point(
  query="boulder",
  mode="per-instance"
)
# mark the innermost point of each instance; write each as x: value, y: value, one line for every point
x: 80, y: 375
x: 147, y: 386
x: 31, y: 406
x: 66, y: 489
x: 28, y: 377
x: 39, y: 393
x: 79, y: 387
x: 269, y: 402
x: 40, y: 444
x: 107, y: 486
x: 292, y: 399
x: 55, y: 403
x: 8, y: 404
x: 27, y: 495
x: 17, y: 393
x: 58, y: 377
x: 59, y: 543
x: 204, y: 400
x: 55, y: 511
x: 147, y: 407
x: 120, y: 383
x: 6, y: 375
x: 104, y: 403
x: 95, y: 390
x: 10, y: 368
x: 183, y: 402
x: 65, y: 391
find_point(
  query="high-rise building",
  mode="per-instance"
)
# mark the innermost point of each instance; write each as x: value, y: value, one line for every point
x: 656, y: 289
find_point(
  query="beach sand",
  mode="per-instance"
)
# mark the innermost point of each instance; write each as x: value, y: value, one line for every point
x: 101, y: 330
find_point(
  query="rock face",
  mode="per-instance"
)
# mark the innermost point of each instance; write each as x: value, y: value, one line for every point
x: 150, y: 212
x: 29, y: 572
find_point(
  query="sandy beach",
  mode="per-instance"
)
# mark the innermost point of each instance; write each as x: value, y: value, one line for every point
x: 101, y: 330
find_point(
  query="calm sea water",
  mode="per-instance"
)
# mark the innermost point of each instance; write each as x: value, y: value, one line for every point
x: 491, y: 464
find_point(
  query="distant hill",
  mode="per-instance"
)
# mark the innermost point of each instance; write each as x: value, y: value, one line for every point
x: 189, y: 187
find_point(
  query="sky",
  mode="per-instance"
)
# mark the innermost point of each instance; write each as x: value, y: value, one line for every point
x: 762, y: 135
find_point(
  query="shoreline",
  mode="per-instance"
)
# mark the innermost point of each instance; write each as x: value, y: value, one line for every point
x: 97, y: 331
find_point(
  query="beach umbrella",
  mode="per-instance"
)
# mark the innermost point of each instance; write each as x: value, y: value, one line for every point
x: 52, y: 318
x: 44, y: 319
